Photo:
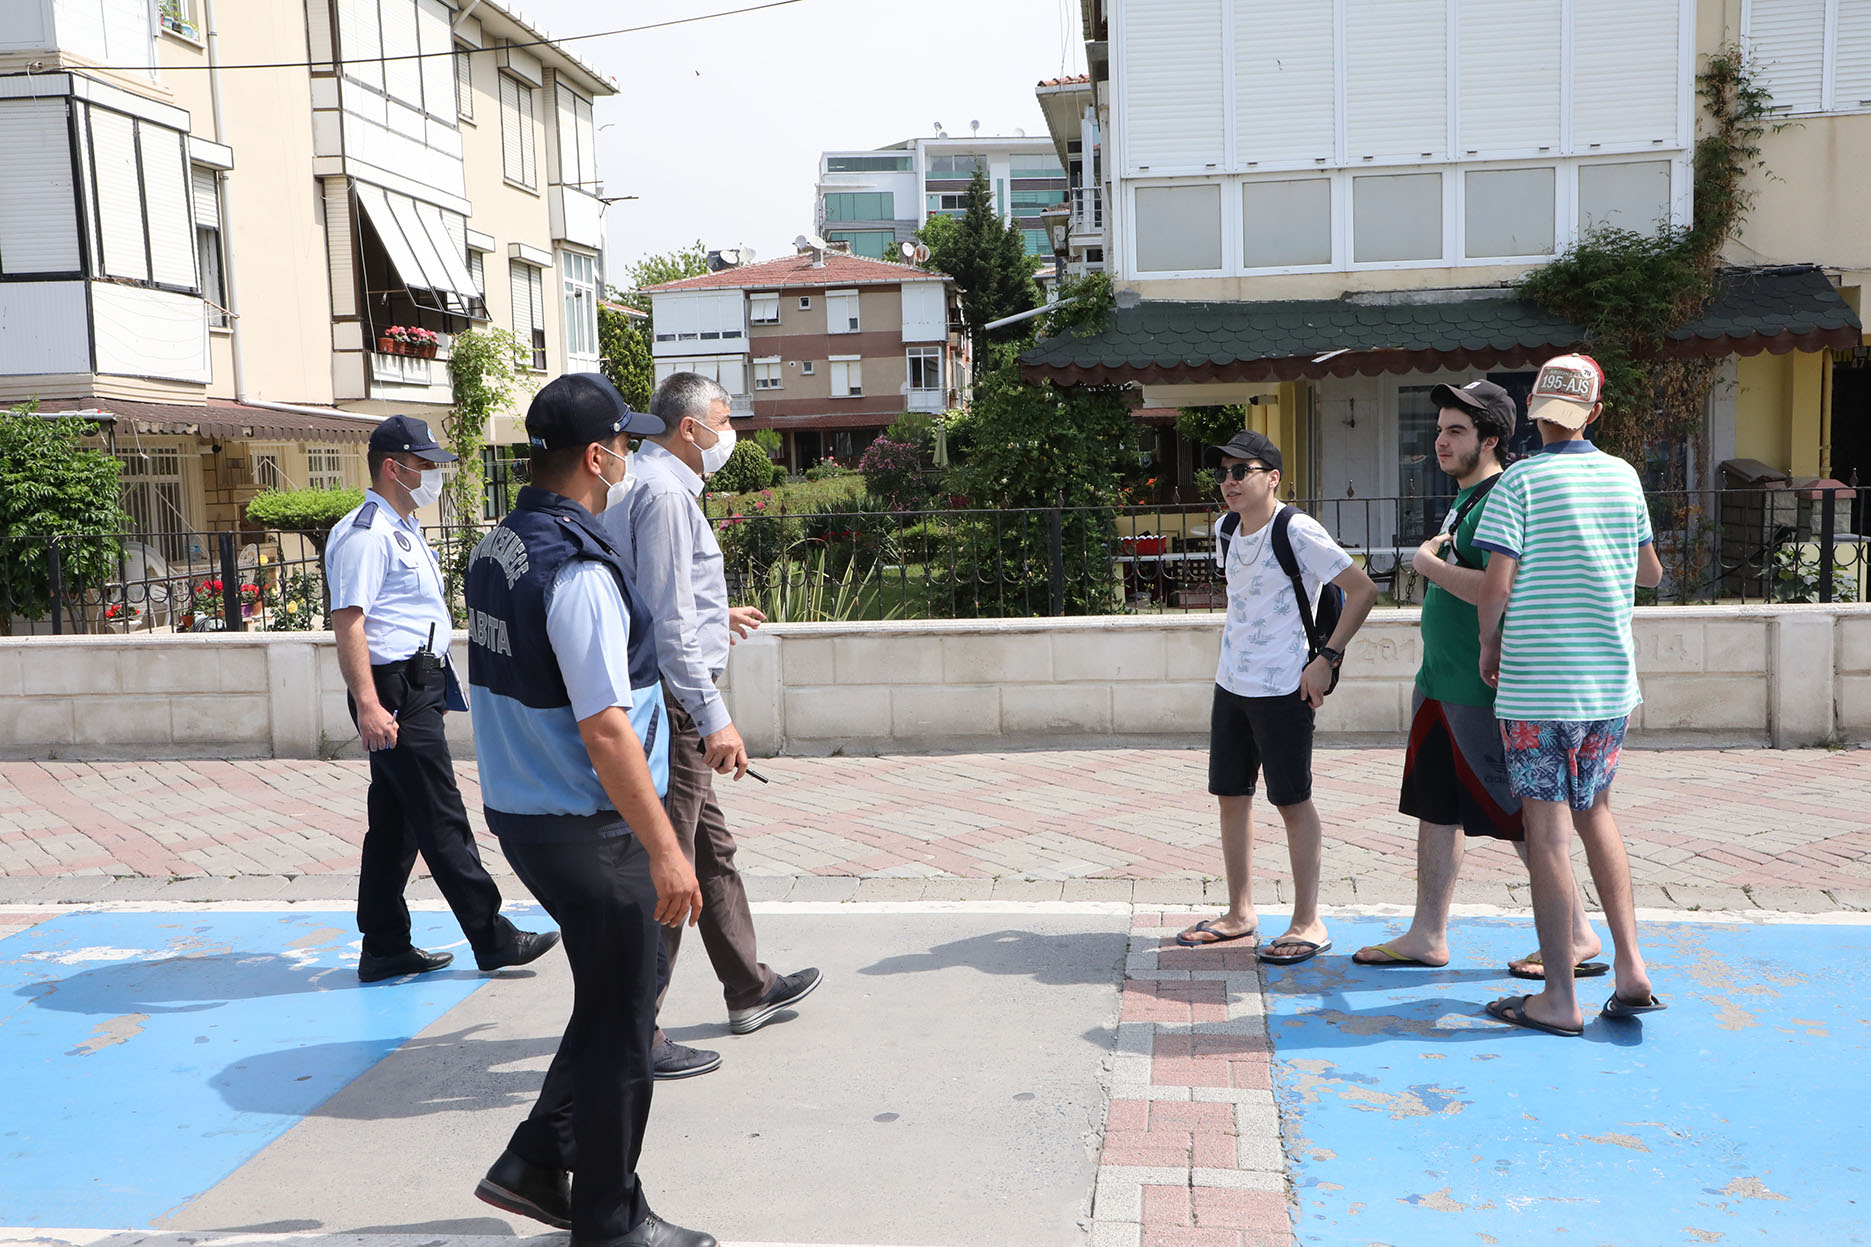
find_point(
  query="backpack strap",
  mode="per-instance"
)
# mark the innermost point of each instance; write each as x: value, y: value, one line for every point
x: 1461, y: 513
x: 1289, y: 563
x: 1225, y: 528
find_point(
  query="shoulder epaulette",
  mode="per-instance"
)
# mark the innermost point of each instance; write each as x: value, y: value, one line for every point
x: 366, y: 516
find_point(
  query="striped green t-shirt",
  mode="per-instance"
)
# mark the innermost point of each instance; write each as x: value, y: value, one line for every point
x: 1575, y: 519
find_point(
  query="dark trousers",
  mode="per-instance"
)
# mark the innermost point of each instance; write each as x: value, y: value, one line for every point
x: 414, y: 807
x: 727, y: 925
x: 595, y: 1103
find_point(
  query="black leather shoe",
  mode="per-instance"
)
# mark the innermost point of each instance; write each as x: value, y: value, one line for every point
x: 527, y: 946
x: 516, y: 1185
x: 411, y: 961
x: 674, y: 1060
x: 653, y: 1231
x: 787, y: 990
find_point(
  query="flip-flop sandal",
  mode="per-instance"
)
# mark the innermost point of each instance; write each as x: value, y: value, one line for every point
x: 1513, y: 1011
x: 1220, y: 937
x: 1307, y: 951
x: 1583, y: 970
x: 1392, y: 959
x: 1619, y: 1008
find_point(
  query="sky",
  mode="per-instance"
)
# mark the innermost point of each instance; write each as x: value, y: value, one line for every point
x: 719, y: 124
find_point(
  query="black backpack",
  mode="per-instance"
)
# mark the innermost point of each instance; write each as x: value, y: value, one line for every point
x: 1331, y: 598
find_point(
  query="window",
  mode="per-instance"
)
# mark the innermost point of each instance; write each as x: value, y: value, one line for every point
x: 206, y: 190
x: 841, y: 311
x: 869, y: 164
x: 143, y: 189
x: 151, y: 476
x: 477, y: 269
x: 805, y: 302
x: 581, y: 308
x: 729, y: 370
x: 925, y: 367
x: 464, y: 81
x: 949, y: 202
x: 38, y: 211
x: 1813, y: 56
x: 860, y: 206
x: 529, y: 309
x: 266, y: 471
x: 956, y: 166
x: 578, y: 160
x: 764, y: 309
x: 1634, y: 195
x: 1037, y: 243
x: 1396, y: 217
x: 806, y: 368
x: 767, y: 373
x: 178, y: 17
x: 324, y: 467
x: 1508, y: 212
x: 847, y: 379
x: 402, y: 49
x: 865, y: 242
x: 1036, y: 199
x: 518, y: 157
x: 1037, y: 167
x: 1286, y: 224
x: 1178, y: 228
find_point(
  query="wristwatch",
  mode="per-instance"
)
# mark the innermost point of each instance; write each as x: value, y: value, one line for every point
x: 1333, y: 656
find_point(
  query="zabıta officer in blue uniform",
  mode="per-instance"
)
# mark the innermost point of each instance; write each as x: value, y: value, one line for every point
x: 391, y: 617
x: 573, y: 744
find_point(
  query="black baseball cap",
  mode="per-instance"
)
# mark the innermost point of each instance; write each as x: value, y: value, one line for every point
x: 580, y: 408
x: 1491, y: 407
x: 408, y: 435
x: 1247, y: 444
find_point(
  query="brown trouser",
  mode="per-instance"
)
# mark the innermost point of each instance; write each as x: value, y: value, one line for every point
x: 727, y: 925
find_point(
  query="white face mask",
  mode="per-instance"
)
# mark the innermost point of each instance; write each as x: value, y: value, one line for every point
x: 614, y: 495
x: 429, y: 490
x: 716, y: 457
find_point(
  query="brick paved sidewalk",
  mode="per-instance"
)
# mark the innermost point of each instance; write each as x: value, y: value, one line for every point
x: 1706, y: 828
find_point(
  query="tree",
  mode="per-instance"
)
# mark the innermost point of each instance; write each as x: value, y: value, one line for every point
x: 624, y: 343
x: 310, y: 513
x: 987, y: 258
x: 54, y: 489
x: 654, y: 270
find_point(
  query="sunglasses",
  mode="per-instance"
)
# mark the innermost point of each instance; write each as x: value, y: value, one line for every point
x: 1239, y: 471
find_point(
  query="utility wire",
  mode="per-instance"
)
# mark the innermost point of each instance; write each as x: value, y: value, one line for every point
x: 417, y: 56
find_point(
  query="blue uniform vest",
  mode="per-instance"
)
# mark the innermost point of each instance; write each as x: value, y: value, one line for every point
x: 536, y: 777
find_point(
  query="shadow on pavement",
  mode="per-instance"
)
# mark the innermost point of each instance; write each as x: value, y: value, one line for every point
x: 1075, y: 960
x: 195, y: 983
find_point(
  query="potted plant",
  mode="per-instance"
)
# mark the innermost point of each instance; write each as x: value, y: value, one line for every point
x: 412, y: 340
x: 122, y: 616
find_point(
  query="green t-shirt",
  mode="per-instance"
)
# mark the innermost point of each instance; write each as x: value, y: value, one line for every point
x: 1575, y: 518
x: 1451, y: 669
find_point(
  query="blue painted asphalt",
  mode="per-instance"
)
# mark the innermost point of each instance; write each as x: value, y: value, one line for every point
x: 1742, y: 1114
x: 145, y: 1056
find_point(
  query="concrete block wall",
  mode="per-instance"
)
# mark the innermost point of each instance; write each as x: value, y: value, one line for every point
x: 1788, y: 676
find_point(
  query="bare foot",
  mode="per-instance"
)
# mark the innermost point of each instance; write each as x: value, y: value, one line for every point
x: 1533, y: 966
x: 1403, y: 950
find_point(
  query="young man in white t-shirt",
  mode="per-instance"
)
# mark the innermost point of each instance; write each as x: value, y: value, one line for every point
x: 1268, y: 685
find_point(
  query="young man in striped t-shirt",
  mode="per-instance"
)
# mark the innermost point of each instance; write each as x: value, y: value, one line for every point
x: 1570, y: 535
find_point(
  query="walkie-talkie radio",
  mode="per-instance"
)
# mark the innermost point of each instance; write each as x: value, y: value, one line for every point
x: 425, y: 664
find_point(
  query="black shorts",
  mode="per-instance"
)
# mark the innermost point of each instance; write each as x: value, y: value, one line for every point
x: 1250, y: 734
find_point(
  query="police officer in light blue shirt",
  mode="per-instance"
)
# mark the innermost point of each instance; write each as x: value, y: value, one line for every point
x: 572, y: 738
x: 391, y: 617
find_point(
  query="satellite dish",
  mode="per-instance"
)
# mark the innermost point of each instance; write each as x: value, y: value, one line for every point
x: 975, y: 126
x: 915, y: 252
x: 811, y: 242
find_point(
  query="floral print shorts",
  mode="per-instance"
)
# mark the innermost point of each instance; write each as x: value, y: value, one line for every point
x: 1560, y: 760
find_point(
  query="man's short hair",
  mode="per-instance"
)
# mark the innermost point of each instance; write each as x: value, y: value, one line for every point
x: 374, y: 461
x: 547, y: 468
x: 685, y: 396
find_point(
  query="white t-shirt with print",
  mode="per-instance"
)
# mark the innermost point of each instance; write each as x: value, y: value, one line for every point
x: 1263, y: 640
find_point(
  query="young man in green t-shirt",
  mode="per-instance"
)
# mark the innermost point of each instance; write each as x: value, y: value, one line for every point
x: 1570, y: 535
x: 1454, y: 775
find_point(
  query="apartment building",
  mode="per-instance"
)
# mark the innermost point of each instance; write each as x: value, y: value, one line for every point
x: 1072, y: 119
x: 211, y: 256
x: 1320, y: 209
x: 827, y: 347
x: 871, y: 199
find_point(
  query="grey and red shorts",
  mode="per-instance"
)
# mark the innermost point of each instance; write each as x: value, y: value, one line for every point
x: 1453, y: 772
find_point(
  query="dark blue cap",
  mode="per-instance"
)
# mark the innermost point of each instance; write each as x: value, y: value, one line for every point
x: 408, y: 435
x: 580, y: 408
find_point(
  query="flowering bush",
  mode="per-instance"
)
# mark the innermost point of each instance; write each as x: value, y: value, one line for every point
x: 413, y: 335
x: 893, y: 473
x: 122, y: 612
x: 826, y: 468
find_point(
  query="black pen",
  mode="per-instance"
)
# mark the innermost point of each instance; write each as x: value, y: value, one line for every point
x: 701, y: 747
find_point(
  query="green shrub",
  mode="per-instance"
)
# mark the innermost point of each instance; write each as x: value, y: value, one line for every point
x: 860, y: 538
x: 825, y: 469
x: 747, y: 469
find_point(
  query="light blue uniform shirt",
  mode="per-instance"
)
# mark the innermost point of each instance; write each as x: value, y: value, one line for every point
x: 377, y: 561
x: 674, y: 565
x: 590, y: 634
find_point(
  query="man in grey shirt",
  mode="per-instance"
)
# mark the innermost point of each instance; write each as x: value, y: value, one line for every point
x: 674, y: 566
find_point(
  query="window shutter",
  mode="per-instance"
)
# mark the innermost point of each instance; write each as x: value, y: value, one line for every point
x: 119, y: 196
x: 529, y: 156
x: 923, y: 313
x: 166, y: 195
x: 1509, y: 76
x: 38, y: 218
x: 1172, y: 87
x: 520, y: 291
x: 1396, y: 79
x: 359, y: 41
x: 510, y: 162
x: 436, y: 41
x: 402, y: 78
x: 1851, y: 44
x: 587, y: 146
x: 464, y: 80
x: 207, y: 197
x: 570, y: 171
x: 1285, y: 106
x: 1787, y: 39
x: 1625, y: 81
